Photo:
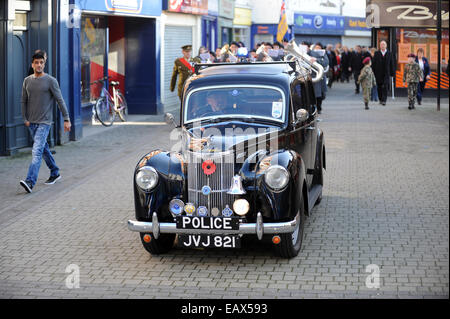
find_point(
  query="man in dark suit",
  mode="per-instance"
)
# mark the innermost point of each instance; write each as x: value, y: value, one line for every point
x: 356, y: 65
x: 383, y: 66
x: 345, y: 64
x: 332, y: 64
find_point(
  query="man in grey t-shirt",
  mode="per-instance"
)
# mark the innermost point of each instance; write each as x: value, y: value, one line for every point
x: 38, y: 94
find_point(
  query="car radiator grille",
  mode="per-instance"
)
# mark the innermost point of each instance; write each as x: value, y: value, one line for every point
x: 219, y: 181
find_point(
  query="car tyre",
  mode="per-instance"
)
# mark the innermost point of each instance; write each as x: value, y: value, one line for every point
x: 291, y: 243
x: 159, y: 246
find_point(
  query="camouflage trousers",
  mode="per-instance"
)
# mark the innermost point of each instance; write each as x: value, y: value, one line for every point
x: 366, y: 94
x: 412, y: 92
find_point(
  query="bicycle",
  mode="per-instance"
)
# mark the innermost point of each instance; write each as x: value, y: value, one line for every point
x: 107, y: 106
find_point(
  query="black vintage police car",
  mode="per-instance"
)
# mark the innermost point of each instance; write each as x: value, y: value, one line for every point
x: 252, y: 162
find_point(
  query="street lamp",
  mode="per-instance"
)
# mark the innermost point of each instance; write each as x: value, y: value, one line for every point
x: 439, y: 38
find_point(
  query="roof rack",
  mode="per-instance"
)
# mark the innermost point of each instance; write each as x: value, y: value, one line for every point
x: 199, y: 66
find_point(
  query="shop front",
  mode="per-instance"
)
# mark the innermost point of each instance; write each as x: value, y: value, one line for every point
x: 356, y: 32
x: 267, y: 33
x: 209, y: 26
x: 241, y: 25
x: 314, y: 28
x: 407, y: 26
x: 225, y: 22
x: 181, y: 24
x: 119, y: 40
x: 26, y: 26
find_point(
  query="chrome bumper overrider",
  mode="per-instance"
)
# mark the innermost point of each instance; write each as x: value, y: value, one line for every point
x: 259, y: 228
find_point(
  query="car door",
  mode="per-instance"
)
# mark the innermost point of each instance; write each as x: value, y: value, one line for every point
x: 302, y: 134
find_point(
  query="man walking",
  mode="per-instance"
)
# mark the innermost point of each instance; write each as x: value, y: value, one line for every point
x: 383, y: 66
x: 356, y: 65
x: 183, y: 68
x: 345, y: 64
x: 38, y: 94
x: 332, y: 64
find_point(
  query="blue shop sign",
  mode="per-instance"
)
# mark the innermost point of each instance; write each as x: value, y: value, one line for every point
x: 318, y: 24
x: 131, y: 7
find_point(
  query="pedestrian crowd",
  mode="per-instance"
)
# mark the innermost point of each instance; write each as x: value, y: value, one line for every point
x: 371, y: 69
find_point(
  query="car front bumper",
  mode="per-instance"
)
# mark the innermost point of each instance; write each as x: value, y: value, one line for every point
x: 259, y: 228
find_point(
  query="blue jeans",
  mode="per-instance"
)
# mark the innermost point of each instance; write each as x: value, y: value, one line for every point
x: 39, y: 133
x: 420, y: 89
x: 374, y: 94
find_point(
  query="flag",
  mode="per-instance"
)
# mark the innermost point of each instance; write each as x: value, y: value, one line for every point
x: 282, y: 25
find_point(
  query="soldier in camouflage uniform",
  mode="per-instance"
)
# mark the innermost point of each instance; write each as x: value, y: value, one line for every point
x: 183, y: 68
x: 412, y: 76
x: 367, y: 80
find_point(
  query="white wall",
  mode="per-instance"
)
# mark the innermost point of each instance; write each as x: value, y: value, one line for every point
x: 354, y: 8
x: 268, y: 11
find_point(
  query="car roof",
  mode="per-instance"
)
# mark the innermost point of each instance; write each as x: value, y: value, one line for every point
x: 253, y: 68
x: 241, y: 73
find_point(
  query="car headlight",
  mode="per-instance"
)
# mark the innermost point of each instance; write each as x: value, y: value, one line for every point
x: 276, y: 177
x: 147, y: 178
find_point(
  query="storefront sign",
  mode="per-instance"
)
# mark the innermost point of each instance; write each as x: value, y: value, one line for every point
x: 129, y: 7
x: 189, y: 6
x: 355, y: 23
x: 318, y: 24
x: 242, y: 16
x: 226, y: 9
x: 406, y: 13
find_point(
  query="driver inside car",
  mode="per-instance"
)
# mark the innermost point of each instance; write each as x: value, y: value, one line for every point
x: 215, y: 105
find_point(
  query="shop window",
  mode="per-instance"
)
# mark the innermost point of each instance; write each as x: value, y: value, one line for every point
x: 93, y: 51
x: 410, y: 40
x: 242, y: 34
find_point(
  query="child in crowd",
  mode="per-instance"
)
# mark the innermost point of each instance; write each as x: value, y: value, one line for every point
x: 412, y: 76
x: 367, y: 80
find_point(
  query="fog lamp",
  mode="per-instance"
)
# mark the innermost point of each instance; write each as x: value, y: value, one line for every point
x: 241, y: 206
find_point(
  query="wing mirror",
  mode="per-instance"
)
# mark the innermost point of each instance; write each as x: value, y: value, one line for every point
x: 170, y: 119
x: 301, y: 115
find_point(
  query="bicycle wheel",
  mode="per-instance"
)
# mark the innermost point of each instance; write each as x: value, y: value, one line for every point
x: 104, y: 112
x: 122, y: 109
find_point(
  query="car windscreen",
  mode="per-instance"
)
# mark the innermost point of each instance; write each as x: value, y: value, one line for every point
x: 258, y: 102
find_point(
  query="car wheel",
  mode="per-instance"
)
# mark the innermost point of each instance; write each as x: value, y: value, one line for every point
x: 291, y: 243
x: 162, y: 245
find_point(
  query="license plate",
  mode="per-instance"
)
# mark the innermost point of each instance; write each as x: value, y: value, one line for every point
x: 216, y: 241
x: 216, y: 223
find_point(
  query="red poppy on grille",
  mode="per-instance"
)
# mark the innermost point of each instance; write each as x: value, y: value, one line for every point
x: 208, y: 167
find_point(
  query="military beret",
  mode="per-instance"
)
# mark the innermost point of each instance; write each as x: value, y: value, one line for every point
x: 187, y: 47
x: 411, y: 55
x: 367, y: 60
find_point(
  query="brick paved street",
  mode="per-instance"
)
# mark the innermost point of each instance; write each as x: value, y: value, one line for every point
x: 385, y: 202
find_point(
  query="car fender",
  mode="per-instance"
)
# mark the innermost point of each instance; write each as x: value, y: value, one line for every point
x: 171, y: 184
x: 284, y: 204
